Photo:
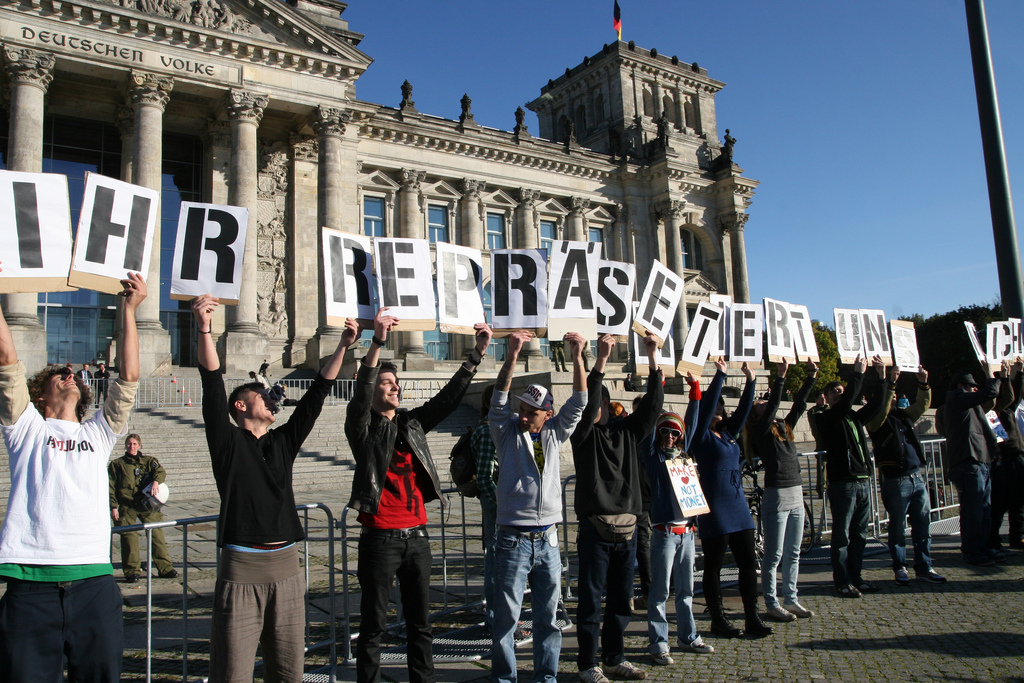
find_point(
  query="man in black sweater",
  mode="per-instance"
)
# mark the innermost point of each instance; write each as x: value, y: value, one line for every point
x: 608, y: 502
x: 1008, y: 471
x: 260, y: 593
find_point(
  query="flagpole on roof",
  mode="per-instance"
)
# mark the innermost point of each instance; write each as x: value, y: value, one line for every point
x: 617, y: 20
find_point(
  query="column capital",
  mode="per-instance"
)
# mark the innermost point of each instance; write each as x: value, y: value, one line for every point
x: 733, y: 221
x: 217, y: 133
x: 125, y: 121
x: 149, y: 89
x: 471, y: 189
x: 412, y: 178
x: 330, y: 121
x: 527, y: 197
x: 304, y: 148
x: 243, y: 105
x: 672, y: 209
x: 578, y: 205
x: 24, y: 65
x: 621, y: 212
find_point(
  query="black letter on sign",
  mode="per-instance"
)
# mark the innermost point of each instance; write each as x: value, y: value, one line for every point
x: 524, y: 283
x: 618, y: 305
x: 452, y: 285
x: 101, y: 229
x: 339, y: 269
x: 220, y: 245
x: 389, y: 274
x: 575, y: 266
x: 740, y: 331
x: 706, y: 319
x: 659, y: 283
x: 26, y: 215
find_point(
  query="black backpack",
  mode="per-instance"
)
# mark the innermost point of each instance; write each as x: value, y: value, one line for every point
x: 463, y: 466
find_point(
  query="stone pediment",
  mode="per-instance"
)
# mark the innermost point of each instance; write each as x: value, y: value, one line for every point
x: 380, y: 181
x: 443, y: 189
x: 552, y: 206
x: 263, y: 31
x: 699, y: 287
x: 500, y: 198
x: 601, y: 213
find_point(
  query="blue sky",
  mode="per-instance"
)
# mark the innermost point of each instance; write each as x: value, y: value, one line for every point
x: 859, y: 119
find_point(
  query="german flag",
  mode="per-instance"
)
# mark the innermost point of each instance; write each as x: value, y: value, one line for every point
x: 617, y: 20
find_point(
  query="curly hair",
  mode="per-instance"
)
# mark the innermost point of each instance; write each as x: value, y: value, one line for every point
x: 37, y: 388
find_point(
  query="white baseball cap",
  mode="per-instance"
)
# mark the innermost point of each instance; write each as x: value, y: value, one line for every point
x: 537, y: 396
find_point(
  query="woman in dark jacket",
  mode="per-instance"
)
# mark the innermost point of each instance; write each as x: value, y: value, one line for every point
x: 782, y: 508
x: 729, y: 524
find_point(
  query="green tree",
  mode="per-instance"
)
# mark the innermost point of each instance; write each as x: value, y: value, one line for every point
x: 828, y: 366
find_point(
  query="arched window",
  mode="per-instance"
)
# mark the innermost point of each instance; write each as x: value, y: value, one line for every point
x: 688, y: 114
x: 581, y: 120
x: 563, y: 129
x: 599, y: 109
x: 693, y: 254
x: 649, y: 103
x: 668, y: 105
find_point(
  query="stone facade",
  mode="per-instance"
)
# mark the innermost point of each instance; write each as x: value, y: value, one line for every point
x: 627, y: 152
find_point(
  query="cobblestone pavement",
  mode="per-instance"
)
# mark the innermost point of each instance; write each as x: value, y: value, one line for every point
x: 969, y: 629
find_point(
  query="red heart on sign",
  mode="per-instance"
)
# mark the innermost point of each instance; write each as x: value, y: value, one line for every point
x: 685, y: 477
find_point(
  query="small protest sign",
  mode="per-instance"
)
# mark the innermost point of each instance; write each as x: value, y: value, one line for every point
x: 349, y: 283
x: 746, y: 333
x: 208, y: 250
x: 460, y: 277
x: 848, y: 335
x: 519, y: 298
x: 689, y: 498
x: 659, y: 301
x: 701, y: 338
x: 405, y: 282
x: 572, y: 288
x: 35, y: 224
x: 778, y: 331
x: 904, y: 345
x: 615, y: 285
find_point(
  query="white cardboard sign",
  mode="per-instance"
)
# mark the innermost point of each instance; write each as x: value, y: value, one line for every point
x: 723, y: 301
x: 35, y: 228
x: 208, y: 251
x: 349, y: 283
x: 848, y: 336
x: 999, y: 341
x: 659, y: 301
x: 689, y: 498
x: 972, y: 334
x: 779, y: 331
x: 115, y: 233
x: 615, y: 286
x: 519, y: 289
x: 404, y: 281
x: 572, y: 288
x: 904, y: 345
x: 875, y: 336
x: 701, y: 338
x: 665, y: 357
x: 747, y: 333
x: 460, y: 281
x: 800, y: 327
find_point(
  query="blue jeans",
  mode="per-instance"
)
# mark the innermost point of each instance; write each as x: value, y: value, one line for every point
x: 903, y: 496
x: 851, y: 510
x: 489, y: 515
x: 974, y: 487
x: 518, y: 558
x: 671, y: 556
x: 783, y: 533
x: 605, y: 567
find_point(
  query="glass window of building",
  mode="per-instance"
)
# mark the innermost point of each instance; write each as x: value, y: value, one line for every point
x: 693, y: 255
x: 596, y: 235
x: 437, y: 223
x: 373, y: 216
x: 547, y: 234
x: 495, y: 231
x: 499, y: 347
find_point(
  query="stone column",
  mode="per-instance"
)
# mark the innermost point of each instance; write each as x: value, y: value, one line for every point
x: 126, y: 128
x: 149, y: 94
x: 680, y: 113
x: 410, y: 225
x: 619, y: 248
x: 574, y: 227
x: 741, y: 287
x: 244, y: 346
x: 472, y: 229
x: 673, y: 212
x: 29, y: 73
x: 527, y: 236
x: 707, y: 120
x: 216, y: 138
x: 303, y: 239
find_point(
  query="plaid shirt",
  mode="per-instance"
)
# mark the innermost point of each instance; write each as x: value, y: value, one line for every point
x: 482, y: 447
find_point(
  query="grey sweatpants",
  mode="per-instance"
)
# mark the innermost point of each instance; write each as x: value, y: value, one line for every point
x: 260, y: 599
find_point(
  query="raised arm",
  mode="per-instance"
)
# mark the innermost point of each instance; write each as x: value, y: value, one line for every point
x: 643, y: 420
x: 734, y: 425
x: 845, y: 403
x: 568, y: 416
x: 800, y: 400
x: 875, y: 421
x: 202, y: 309
x: 349, y: 335
x: 8, y: 354
x: 134, y: 292
x: 709, y: 401
x: 13, y: 389
x: 595, y: 397
x: 923, y: 400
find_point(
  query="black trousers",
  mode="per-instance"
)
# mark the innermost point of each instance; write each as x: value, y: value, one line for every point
x: 643, y: 552
x: 40, y: 622
x: 1007, y: 498
x: 381, y: 559
x: 741, y: 543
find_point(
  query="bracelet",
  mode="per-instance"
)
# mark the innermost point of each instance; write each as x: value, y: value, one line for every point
x: 206, y: 331
x: 480, y: 359
x: 376, y: 340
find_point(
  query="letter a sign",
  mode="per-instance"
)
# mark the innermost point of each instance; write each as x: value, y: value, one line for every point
x: 208, y: 251
x: 35, y: 230
x: 115, y: 233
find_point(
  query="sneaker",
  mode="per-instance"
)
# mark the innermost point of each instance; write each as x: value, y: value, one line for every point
x: 865, y: 587
x: 779, y: 614
x: 799, y: 610
x: 847, y: 591
x: 697, y: 646
x: 901, y: 577
x: 932, y: 576
x: 624, y: 671
x: 131, y: 578
x: 662, y: 659
x: 593, y: 675
x: 169, y: 574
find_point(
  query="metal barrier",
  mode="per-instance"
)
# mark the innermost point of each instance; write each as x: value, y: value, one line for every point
x: 330, y: 643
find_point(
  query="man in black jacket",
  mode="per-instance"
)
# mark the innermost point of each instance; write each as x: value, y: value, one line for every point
x: 608, y: 488
x: 971, y: 448
x: 899, y: 456
x: 394, y: 478
x: 260, y: 593
x: 849, y: 469
x: 1008, y: 472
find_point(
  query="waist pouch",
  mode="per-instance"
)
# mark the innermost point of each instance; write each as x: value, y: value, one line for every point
x: 614, y: 528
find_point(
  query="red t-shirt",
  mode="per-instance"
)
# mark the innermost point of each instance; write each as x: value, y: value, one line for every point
x: 401, y: 502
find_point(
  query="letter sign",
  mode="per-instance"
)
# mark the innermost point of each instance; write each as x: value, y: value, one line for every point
x: 778, y: 330
x: 349, y: 284
x: 615, y: 284
x: 572, y: 288
x: 460, y: 277
x: 658, y: 303
x: 404, y: 281
x: 747, y: 328
x: 35, y: 224
x: 701, y: 338
x: 208, y: 250
x: 519, y: 285
x: 848, y: 336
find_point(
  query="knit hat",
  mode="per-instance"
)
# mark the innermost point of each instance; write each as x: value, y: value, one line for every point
x: 671, y: 420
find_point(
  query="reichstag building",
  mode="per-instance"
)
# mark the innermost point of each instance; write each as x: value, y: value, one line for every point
x: 254, y: 103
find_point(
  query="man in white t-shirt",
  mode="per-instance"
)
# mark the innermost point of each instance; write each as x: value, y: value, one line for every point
x: 61, y: 599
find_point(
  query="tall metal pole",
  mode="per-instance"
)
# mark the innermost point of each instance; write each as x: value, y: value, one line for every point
x: 1000, y: 201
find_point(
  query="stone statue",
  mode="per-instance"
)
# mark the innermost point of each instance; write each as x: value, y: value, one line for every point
x: 407, y: 102
x: 466, y: 115
x: 730, y: 141
x: 664, y: 125
x: 570, y: 131
x: 520, y: 118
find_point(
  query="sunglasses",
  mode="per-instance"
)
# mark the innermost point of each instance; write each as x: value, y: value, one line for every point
x: 668, y: 431
x: 64, y: 373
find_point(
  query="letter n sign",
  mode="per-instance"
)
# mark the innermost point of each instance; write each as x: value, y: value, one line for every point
x: 208, y: 250
x: 35, y: 231
x: 115, y: 233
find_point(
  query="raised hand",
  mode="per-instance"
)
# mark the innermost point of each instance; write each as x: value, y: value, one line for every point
x: 351, y: 333
x: 748, y: 371
x: 782, y: 368
x: 576, y: 343
x: 922, y: 375
x: 517, y: 339
x: 605, y: 344
x: 720, y: 364
x: 483, y: 337
x: 382, y: 323
x: 202, y: 309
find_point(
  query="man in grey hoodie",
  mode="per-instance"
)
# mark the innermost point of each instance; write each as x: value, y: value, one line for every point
x: 529, y: 498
